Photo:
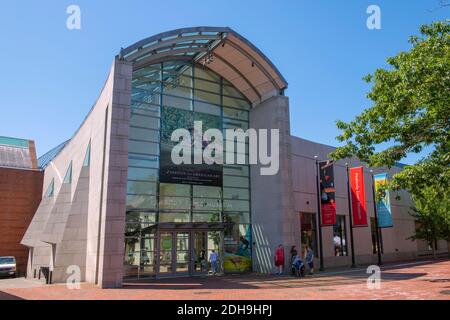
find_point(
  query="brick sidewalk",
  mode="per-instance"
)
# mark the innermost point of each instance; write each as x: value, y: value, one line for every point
x: 421, y: 281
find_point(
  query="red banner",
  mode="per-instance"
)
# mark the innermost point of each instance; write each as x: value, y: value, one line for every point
x: 327, y: 196
x: 358, y: 197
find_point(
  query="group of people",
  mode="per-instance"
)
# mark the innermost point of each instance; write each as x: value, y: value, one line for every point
x: 297, y: 264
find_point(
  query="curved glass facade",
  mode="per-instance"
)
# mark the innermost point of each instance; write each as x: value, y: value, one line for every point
x: 167, y: 96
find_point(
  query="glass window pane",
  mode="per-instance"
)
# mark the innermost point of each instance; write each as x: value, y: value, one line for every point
x: 207, y: 192
x: 308, y: 230
x: 50, y: 189
x: 147, y: 96
x: 143, y: 147
x: 207, y: 85
x: 148, y: 244
x: 148, y: 72
x: 235, y: 114
x: 234, y: 124
x: 145, y: 109
x: 141, y: 217
x: 148, y: 84
x: 144, y: 134
x: 236, y: 194
x: 141, y: 187
x: 178, y: 91
x: 207, y: 97
x: 205, y: 217
x: 339, y: 237
x: 144, y: 122
x: 174, y: 217
x: 142, y: 174
x: 238, y: 242
x: 236, y: 103
x: 207, y: 204
x: 177, y: 203
x: 237, y: 217
x: 137, y: 229
x: 206, y: 74
x: 229, y: 181
x: 236, y: 205
x: 172, y: 189
x: 232, y: 91
x: 171, y: 80
x: 206, y: 108
x: 131, y: 263
x: 236, y: 170
x: 182, y: 241
x: 141, y: 202
x: 177, y: 102
x: 148, y: 257
x: 177, y: 67
x: 141, y: 160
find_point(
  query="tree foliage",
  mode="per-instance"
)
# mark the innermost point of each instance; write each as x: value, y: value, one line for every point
x: 432, y: 207
x: 410, y: 111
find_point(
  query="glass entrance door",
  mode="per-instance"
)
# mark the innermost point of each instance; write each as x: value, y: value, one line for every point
x: 174, y: 253
x: 186, y: 252
x: 200, y: 253
x: 182, y: 253
x: 166, y: 253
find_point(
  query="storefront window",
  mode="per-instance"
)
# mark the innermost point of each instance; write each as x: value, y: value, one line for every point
x: 237, y: 245
x: 340, y: 237
x: 308, y: 231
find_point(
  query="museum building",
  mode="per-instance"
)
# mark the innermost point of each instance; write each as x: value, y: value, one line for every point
x: 116, y: 207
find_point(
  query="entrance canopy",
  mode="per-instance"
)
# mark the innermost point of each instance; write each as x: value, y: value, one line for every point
x: 219, y: 49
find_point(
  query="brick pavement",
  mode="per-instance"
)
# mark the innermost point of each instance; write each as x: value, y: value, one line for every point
x: 408, y: 281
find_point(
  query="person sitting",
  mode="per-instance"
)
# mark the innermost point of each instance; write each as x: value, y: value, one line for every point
x: 298, y: 267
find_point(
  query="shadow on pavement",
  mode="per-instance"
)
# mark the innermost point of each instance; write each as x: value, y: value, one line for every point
x: 7, y: 296
x: 267, y: 282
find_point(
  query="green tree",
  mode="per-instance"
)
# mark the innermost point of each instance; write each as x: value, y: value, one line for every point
x: 431, y: 212
x: 410, y: 111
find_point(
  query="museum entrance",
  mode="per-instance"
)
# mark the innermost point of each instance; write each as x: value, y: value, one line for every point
x: 186, y: 252
x: 174, y: 250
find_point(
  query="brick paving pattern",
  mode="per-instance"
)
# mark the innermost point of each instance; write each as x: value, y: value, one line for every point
x: 429, y: 280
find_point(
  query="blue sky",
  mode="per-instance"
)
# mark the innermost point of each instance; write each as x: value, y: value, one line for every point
x: 51, y: 76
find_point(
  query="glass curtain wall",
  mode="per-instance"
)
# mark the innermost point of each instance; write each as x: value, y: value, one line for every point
x: 165, y: 88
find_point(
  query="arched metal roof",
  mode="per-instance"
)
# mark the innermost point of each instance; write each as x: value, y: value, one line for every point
x: 218, y: 48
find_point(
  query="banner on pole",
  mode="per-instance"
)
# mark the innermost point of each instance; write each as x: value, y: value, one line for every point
x: 384, y: 204
x: 359, y: 210
x: 327, y: 193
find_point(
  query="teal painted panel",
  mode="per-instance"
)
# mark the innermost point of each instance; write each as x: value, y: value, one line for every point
x: 21, y: 143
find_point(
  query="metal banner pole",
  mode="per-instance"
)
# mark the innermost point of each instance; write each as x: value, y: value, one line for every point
x: 350, y: 211
x: 319, y: 217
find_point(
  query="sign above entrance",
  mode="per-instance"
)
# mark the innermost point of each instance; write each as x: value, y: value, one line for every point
x: 197, y: 174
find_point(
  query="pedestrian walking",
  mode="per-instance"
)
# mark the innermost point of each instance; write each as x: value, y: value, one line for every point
x: 309, y: 258
x: 213, y: 260
x: 293, y: 253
